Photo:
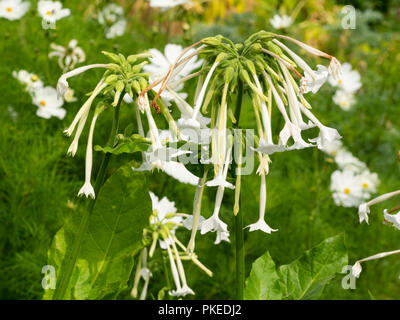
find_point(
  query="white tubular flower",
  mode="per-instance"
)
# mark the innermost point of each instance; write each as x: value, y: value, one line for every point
x: 68, y: 56
x: 290, y: 129
x: 326, y: 135
x: 350, y: 80
x: 49, y: 103
x: 364, y: 208
x: 335, y: 69
x: 313, y: 84
x: 87, y: 188
x: 185, y: 290
x: 81, y: 117
x: 363, y: 211
x: 52, y: 10
x: 62, y: 84
x: 392, y: 218
x: 214, y: 223
x: 222, y: 236
x: 266, y: 145
x: 174, y: 271
x: 356, y: 269
x: 13, y: 9
x: 220, y: 179
x: 299, y: 61
x: 146, y: 274
x: 343, y: 99
x: 199, y: 100
x: 281, y: 22
x: 261, y: 224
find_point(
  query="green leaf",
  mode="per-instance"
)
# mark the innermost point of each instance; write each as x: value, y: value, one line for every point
x: 129, y: 145
x: 114, y: 234
x: 263, y: 281
x: 304, y: 278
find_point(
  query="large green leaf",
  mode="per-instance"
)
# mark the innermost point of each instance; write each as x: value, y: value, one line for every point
x: 304, y: 278
x: 114, y: 233
x: 263, y: 281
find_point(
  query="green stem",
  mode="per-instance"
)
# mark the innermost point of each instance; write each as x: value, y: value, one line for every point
x: 240, y: 270
x: 66, y: 272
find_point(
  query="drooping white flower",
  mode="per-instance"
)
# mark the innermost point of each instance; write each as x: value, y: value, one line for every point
x: 49, y: 103
x: 356, y: 269
x: 13, y: 9
x: 87, y: 188
x: 68, y: 56
x: 392, y: 218
x: 363, y: 211
x: 281, y: 21
x: 343, y: 99
x: 166, y: 4
x: 350, y: 80
x: 261, y: 224
x: 346, y: 188
x: 52, y: 10
x: 30, y: 80
x: 314, y: 82
x: 69, y: 96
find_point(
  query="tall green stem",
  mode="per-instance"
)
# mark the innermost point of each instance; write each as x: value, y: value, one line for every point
x: 66, y: 272
x: 240, y: 270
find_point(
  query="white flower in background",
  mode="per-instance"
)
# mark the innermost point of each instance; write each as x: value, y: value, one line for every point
x: 333, y: 148
x: 162, y: 208
x: 159, y: 66
x: 344, y: 99
x: 165, y: 4
x: 392, y: 218
x: 49, y: 103
x: 350, y: 80
x: 369, y: 182
x: 346, y: 161
x: 30, y: 80
x: 112, y: 17
x: 13, y: 113
x: 281, y: 21
x: 52, y: 10
x: 13, y: 9
x: 68, y: 56
x: 346, y: 188
x: 116, y: 30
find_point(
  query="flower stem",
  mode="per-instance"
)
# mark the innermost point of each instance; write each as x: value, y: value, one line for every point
x: 240, y: 270
x: 70, y: 258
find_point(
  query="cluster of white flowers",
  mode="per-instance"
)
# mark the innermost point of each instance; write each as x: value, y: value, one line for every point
x: 45, y: 98
x: 50, y: 11
x: 281, y: 21
x: 163, y: 223
x: 113, y: 19
x: 68, y: 56
x: 347, y: 86
x: 352, y: 183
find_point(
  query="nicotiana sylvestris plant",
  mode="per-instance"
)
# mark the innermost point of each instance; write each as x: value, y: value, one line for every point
x: 265, y: 69
x: 262, y: 67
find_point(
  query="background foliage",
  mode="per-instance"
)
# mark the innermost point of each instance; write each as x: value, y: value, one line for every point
x: 38, y: 182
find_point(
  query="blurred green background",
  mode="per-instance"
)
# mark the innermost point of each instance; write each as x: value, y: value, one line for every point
x: 38, y: 182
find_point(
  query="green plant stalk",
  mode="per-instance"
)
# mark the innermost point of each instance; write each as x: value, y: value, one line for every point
x: 66, y: 274
x: 239, y: 240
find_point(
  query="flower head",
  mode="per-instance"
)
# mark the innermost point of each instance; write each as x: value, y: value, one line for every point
x: 392, y: 218
x: 52, y: 10
x: 281, y: 21
x: 68, y: 56
x: 13, y: 9
x: 350, y: 80
x: 48, y: 102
